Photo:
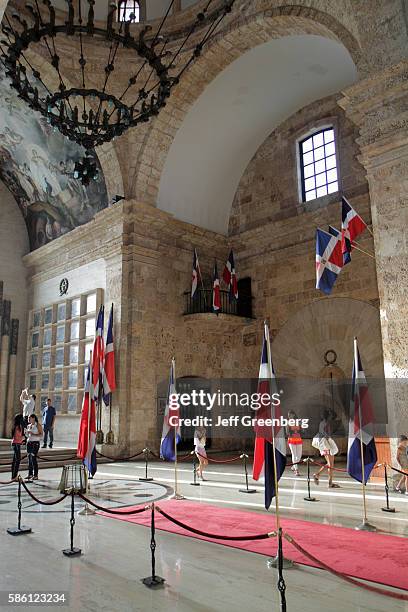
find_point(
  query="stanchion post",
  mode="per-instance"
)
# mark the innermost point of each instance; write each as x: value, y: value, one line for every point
x: 387, y: 507
x: 244, y: 456
x: 153, y: 580
x: 281, y: 580
x: 20, y: 529
x: 72, y: 551
x: 309, y: 498
x: 194, y: 483
x: 146, y: 456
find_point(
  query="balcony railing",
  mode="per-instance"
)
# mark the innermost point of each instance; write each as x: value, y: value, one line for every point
x: 202, y: 302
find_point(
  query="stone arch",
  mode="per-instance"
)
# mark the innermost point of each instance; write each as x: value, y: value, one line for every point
x: 242, y: 34
x: 299, y: 347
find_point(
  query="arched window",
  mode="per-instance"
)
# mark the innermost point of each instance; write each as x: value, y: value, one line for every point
x: 318, y: 165
x: 128, y: 8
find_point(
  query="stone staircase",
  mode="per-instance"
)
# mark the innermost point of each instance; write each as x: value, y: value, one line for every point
x: 47, y: 458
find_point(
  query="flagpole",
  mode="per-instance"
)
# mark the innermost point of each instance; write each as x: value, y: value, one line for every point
x: 365, y: 525
x: 110, y: 438
x: 268, y: 344
x: 286, y: 563
x: 87, y: 510
x: 176, y: 495
x: 353, y: 244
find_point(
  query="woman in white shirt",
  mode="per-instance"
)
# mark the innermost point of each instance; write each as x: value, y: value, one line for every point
x: 327, y: 448
x: 199, y: 448
x: 34, y: 433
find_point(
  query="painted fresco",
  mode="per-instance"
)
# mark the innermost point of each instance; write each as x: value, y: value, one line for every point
x: 36, y: 164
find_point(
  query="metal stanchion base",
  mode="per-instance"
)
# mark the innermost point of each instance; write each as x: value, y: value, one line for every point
x: 366, y: 526
x: 153, y: 581
x: 273, y: 562
x: 87, y: 511
x: 14, y: 531
x: 145, y: 479
x: 195, y: 484
x: 246, y: 490
x: 72, y: 552
x: 99, y: 437
x: 177, y: 496
x: 388, y: 509
x: 311, y: 499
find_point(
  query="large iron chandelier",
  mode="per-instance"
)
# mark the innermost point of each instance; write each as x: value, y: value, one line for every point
x: 86, y: 113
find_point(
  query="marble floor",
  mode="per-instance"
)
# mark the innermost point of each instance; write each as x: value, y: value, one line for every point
x: 200, y: 576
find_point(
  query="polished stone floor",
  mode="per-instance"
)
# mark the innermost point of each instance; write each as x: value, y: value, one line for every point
x: 200, y: 576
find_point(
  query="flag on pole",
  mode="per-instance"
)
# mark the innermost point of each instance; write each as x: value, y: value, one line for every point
x: 86, y: 449
x: 216, y: 290
x: 98, y: 355
x: 335, y: 232
x: 171, y: 422
x: 263, y: 452
x: 361, y: 424
x: 230, y: 277
x: 352, y: 225
x: 196, y: 277
x: 109, y: 378
x: 329, y: 260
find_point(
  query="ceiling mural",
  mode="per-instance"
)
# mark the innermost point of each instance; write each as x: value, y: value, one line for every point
x: 36, y: 164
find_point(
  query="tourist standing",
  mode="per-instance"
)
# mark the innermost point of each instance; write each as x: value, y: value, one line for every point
x: 199, y: 448
x: 34, y: 434
x: 48, y: 421
x: 327, y: 447
x: 18, y: 439
x: 28, y: 402
x: 295, y: 442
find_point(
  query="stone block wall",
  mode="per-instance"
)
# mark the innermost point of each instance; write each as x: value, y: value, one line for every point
x: 13, y: 246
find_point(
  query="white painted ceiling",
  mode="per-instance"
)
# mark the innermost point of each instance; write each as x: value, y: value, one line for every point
x: 234, y: 115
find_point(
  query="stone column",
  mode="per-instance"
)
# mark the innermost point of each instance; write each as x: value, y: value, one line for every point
x: 12, y: 407
x: 379, y: 107
x: 4, y: 360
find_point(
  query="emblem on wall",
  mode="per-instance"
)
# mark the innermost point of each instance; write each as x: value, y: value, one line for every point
x: 64, y: 284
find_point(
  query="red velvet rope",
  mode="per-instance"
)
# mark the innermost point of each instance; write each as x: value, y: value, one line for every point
x: 8, y: 482
x: 327, y: 467
x: 353, y: 581
x: 48, y: 502
x: 110, y: 510
x: 262, y: 536
x: 219, y: 460
x: 113, y: 459
x: 396, y: 470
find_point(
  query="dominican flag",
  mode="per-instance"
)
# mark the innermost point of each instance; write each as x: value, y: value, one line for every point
x: 196, y: 277
x: 361, y: 425
x: 216, y: 291
x: 87, y: 429
x: 352, y: 226
x: 171, y: 422
x: 230, y: 277
x: 329, y: 260
x: 98, y: 354
x: 109, y: 378
x: 335, y: 232
x: 264, y: 435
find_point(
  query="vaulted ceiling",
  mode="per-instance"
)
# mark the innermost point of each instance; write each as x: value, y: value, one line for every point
x: 234, y: 115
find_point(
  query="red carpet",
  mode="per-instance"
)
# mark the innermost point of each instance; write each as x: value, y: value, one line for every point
x: 368, y: 556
